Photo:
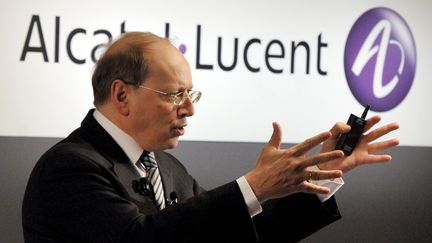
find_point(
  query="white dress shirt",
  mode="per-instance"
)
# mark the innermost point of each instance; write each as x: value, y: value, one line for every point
x: 132, y: 150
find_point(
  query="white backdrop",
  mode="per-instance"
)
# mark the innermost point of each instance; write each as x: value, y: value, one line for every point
x: 49, y: 99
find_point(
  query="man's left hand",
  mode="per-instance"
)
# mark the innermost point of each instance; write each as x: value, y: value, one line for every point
x: 366, y: 149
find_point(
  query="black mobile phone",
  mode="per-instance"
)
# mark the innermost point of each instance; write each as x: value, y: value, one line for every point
x: 348, y: 141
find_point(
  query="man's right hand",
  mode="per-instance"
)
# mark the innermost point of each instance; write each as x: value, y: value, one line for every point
x: 281, y: 172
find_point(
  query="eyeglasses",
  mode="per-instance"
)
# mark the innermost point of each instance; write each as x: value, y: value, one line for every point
x: 176, y: 98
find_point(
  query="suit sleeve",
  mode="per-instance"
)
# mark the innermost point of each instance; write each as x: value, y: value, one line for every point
x: 84, y: 204
x: 294, y: 217
x: 284, y: 220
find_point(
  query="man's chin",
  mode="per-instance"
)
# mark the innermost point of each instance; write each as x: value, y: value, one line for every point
x: 172, y: 143
x: 161, y: 145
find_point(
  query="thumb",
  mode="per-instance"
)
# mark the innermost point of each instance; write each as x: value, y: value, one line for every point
x: 276, y: 137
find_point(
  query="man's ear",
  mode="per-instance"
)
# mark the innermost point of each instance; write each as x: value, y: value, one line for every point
x: 120, y: 95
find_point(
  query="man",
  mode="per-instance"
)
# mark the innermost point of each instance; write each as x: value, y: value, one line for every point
x: 87, y: 188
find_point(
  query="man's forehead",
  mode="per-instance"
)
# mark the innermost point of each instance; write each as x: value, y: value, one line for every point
x: 168, y: 57
x: 168, y: 63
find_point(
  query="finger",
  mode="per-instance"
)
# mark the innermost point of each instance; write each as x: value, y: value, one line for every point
x: 309, y: 143
x: 314, y: 189
x: 377, y: 158
x: 322, y: 175
x: 339, y: 128
x: 276, y: 137
x: 321, y: 158
x: 381, y: 131
x: 371, y: 122
x: 378, y: 146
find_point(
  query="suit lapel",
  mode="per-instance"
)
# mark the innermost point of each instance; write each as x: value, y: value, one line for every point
x: 165, y: 173
x: 93, y: 132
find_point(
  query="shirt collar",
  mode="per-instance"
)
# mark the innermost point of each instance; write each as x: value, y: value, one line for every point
x: 126, y: 142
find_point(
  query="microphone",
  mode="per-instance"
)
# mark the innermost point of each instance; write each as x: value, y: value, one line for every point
x: 143, y: 187
x: 173, y: 198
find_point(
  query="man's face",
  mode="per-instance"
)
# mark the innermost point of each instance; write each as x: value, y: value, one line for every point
x: 154, y: 121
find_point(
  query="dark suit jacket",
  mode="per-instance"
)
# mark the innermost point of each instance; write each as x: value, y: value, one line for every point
x: 81, y: 191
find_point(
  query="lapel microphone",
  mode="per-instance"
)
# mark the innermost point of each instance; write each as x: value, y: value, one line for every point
x: 173, y: 198
x: 143, y: 187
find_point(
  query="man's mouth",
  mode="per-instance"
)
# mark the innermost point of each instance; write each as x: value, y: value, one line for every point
x: 179, y: 130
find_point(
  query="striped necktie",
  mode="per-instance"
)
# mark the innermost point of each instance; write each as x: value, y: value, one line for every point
x: 148, y: 163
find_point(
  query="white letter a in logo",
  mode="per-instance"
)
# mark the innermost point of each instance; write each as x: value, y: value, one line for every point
x: 368, y: 50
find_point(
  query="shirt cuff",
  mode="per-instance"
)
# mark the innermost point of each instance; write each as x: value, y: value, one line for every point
x: 334, y: 185
x: 253, y: 205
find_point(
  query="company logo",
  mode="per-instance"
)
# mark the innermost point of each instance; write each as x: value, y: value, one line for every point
x: 279, y: 56
x: 380, y: 59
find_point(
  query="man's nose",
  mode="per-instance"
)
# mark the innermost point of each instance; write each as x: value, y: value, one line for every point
x: 187, y: 108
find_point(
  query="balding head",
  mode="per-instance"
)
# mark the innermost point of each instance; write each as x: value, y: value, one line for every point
x: 125, y: 59
x: 134, y: 84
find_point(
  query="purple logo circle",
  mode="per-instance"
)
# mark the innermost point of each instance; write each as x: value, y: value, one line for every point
x: 380, y: 59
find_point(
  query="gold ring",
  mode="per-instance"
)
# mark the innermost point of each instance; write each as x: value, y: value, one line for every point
x: 310, y: 176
